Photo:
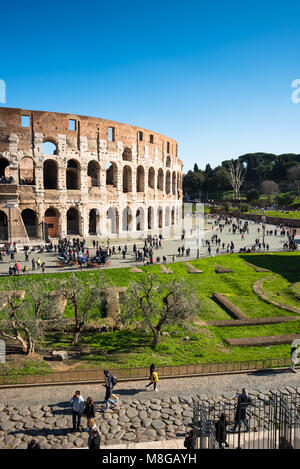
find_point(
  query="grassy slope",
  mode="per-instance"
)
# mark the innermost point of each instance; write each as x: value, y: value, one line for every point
x: 130, y: 348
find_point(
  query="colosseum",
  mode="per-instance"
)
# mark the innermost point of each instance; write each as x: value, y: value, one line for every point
x: 71, y: 175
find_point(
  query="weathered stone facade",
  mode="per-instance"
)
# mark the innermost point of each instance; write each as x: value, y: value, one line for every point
x: 99, y: 178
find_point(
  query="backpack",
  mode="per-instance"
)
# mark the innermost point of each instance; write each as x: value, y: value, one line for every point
x: 114, y: 380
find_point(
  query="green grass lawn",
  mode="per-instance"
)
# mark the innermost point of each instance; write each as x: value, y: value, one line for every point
x: 131, y: 348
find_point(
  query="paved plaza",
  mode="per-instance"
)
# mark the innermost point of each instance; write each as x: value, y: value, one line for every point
x: 169, y: 248
x: 143, y: 418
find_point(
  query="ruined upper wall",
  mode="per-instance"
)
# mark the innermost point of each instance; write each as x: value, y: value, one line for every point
x: 52, y: 124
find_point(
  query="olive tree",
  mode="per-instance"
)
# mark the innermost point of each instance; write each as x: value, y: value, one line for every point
x: 86, y: 299
x: 153, y: 305
x: 24, y: 317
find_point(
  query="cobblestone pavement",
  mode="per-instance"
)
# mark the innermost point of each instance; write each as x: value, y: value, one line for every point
x: 169, y: 248
x: 141, y: 415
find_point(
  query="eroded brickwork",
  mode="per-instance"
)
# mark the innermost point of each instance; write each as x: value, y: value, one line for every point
x: 78, y: 176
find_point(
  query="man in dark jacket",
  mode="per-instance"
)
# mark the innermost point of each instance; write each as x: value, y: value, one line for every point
x: 221, y: 431
x: 241, y: 410
x: 109, y: 388
x: 94, y: 442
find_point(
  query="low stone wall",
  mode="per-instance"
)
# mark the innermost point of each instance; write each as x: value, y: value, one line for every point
x: 267, y: 340
x: 230, y: 308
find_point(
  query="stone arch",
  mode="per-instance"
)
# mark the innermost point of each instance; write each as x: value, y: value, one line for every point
x: 174, y: 183
x: 50, y: 173
x: 127, y: 154
x: 160, y: 179
x: 94, y: 220
x: 139, y: 219
x: 73, y: 175
x: 127, y: 219
x: 111, y: 174
x: 3, y: 226
x: 50, y: 147
x: 112, y: 218
x: 168, y: 182
x: 4, y: 170
x: 168, y: 162
x: 73, y: 221
x: 140, y: 179
x: 30, y: 222
x: 127, y: 179
x: 51, y: 219
x: 151, y: 178
x: 26, y: 171
x: 150, y: 218
x: 93, y: 172
x: 173, y: 216
x: 159, y: 217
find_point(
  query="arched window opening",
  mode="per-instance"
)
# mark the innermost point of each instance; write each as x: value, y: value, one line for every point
x: 151, y: 177
x: 26, y: 171
x: 72, y: 175
x: 93, y: 222
x: 72, y: 221
x: 168, y: 182
x: 51, y: 221
x: 50, y: 174
x: 140, y: 179
x: 3, y: 226
x: 160, y: 179
x: 127, y: 154
x: 174, y: 183
x: 30, y: 222
x: 5, y: 177
x: 49, y: 148
x: 111, y: 174
x: 93, y: 174
x: 127, y: 179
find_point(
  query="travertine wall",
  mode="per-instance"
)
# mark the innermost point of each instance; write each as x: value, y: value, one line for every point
x: 141, y: 191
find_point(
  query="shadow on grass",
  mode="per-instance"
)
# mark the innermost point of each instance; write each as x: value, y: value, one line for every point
x: 285, y: 265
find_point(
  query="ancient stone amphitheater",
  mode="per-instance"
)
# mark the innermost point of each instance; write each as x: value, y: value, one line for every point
x: 70, y: 175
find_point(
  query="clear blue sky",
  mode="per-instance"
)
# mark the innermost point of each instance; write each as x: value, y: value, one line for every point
x: 214, y: 75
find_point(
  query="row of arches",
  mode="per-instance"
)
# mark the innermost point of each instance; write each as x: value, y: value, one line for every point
x: 112, y: 221
x: 168, y: 182
x: 50, y: 148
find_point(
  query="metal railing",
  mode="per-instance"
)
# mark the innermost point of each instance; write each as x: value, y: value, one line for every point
x: 126, y: 374
x: 271, y: 423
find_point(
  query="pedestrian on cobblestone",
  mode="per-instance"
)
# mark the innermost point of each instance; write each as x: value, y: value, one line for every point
x: 109, y: 385
x: 94, y: 439
x: 89, y: 411
x: 241, y: 410
x: 153, y: 378
x: 221, y: 431
x: 77, y: 402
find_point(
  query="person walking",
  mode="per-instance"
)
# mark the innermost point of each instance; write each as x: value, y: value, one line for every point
x: 110, y: 382
x: 294, y: 358
x: 89, y: 412
x: 221, y: 431
x: 241, y: 411
x: 189, y: 440
x: 77, y: 402
x: 94, y: 439
x: 153, y: 378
